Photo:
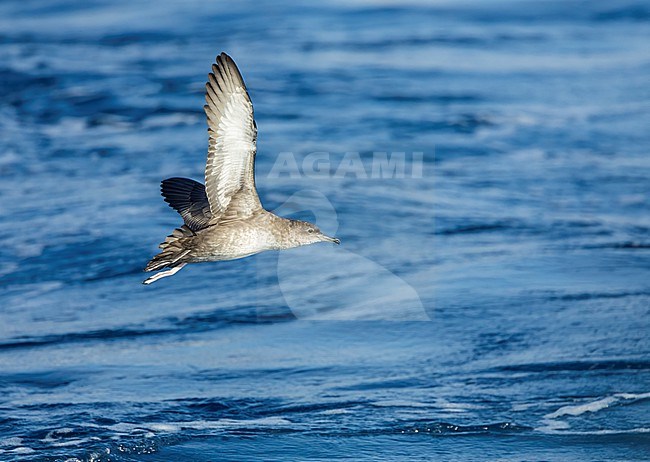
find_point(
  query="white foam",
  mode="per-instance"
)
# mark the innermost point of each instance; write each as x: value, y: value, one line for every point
x: 551, y: 424
x: 152, y: 428
x: 401, y: 403
x: 22, y: 450
x: 457, y: 407
x: 594, y: 406
x: 336, y: 411
x: 76, y: 442
x: 597, y: 405
x: 226, y: 423
x: 164, y: 427
x: 13, y: 441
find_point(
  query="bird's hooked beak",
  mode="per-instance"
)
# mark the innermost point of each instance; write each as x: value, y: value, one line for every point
x: 330, y: 239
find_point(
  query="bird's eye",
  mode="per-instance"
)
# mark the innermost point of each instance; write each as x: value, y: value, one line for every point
x: 310, y: 230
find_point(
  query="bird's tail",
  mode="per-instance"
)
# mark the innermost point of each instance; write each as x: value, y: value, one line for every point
x: 171, y: 255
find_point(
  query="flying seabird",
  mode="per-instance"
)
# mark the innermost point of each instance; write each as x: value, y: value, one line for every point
x: 224, y: 220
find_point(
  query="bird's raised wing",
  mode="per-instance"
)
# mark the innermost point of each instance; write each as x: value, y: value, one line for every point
x: 230, y: 169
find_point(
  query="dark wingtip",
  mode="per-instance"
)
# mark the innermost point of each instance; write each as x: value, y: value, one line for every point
x: 222, y: 57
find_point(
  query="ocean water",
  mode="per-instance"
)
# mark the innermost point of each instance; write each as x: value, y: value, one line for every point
x: 489, y: 302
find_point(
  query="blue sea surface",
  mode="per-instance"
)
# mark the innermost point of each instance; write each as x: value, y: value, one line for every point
x: 491, y: 302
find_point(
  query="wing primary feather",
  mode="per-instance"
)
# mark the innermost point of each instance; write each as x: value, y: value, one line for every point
x: 229, y: 173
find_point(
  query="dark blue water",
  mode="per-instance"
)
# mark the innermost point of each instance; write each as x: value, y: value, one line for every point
x: 495, y: 307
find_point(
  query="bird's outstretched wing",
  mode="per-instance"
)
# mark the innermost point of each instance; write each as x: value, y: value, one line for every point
x: 230, y: 169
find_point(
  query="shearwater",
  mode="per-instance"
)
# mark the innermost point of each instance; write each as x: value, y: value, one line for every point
x: 225, y: 220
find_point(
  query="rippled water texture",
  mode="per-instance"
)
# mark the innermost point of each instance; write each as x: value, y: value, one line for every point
x: 494, y: 309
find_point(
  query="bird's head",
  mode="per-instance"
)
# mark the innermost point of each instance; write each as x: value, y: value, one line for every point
x: 307, y: 233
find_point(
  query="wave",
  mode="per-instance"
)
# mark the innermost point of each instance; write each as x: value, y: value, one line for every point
x: 597, y: 295
x: 600, y: 404
x: 57, y: 339
x: 619, y: 245
x: 160, y: 428
x: 442, y: 428
x: 201, y: 322
x: 479, y: 228
x: 553, y: 422
x: 571, y: 366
